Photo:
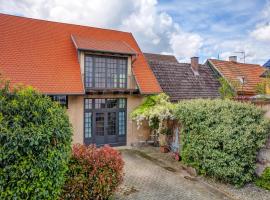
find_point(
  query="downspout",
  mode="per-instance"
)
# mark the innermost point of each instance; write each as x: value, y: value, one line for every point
x: 133, y: 59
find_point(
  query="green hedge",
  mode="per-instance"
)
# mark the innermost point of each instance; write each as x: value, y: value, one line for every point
x: 264, y: 180
x: 221, y: 138
x: 35, y: 144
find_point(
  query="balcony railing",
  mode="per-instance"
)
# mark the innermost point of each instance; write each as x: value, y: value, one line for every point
x: 131, y: 88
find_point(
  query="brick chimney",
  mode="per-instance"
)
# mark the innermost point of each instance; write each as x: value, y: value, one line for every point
x: 233, y: 58
x: 194, y: 63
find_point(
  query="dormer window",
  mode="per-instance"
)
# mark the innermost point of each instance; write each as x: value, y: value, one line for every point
x: 105, y: 72
x: 241, y: 80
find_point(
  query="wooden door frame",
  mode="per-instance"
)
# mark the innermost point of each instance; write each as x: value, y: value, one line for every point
x: 105, y: 110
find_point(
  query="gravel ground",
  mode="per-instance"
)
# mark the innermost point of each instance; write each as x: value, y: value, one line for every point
x: 248, y: 192
x: 150, y: 174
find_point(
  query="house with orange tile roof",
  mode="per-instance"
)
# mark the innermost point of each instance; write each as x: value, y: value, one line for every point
x: 100, y: 75
x: 243, y: 77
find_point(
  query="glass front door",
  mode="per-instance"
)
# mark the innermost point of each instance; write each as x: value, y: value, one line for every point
x: 105, y: 120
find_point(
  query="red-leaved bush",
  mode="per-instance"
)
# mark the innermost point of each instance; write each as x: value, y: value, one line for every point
x: 94, y: 173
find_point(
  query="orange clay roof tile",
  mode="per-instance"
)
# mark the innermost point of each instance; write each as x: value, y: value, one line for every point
x: 111, y: 46
x: 234, y: 70
x: 42, y: 54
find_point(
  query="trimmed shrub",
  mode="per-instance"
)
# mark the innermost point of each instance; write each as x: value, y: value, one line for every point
x: 221, y: 138
x: 264, y: 180
x: 35, y: 144
x: 94, y: 173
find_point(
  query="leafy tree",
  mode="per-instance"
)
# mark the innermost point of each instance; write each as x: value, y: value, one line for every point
x: 35, y: 144
x: 264, y: 85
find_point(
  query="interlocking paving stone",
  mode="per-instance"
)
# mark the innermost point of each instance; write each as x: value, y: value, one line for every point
x: 145, y: 180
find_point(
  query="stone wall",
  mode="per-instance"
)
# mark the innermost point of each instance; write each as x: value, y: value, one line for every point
x: 263, y: 157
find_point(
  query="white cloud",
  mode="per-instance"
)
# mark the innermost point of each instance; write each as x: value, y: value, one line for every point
x: 155, y: 30
x: 255, y: 52
x: 266, y: 10
x: 142, y: 21
x: 262, y: 30
x: 185, y: 45
x: 100, y: 13
x: 262, y: 33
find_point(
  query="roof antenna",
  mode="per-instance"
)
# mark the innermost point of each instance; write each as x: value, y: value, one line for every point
x: 243, y: 53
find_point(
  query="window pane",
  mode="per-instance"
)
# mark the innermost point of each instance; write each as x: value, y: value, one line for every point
x: 100, y: 72
x: 122, y: 123
x: 111, y: 123
x: 88, y: 103
x: 88, y: 71
x: 122, y: 103
x: 88, y: 124
x: 100, y: 124
x: 100, y: 103
x: 112, y: 73
x: 122, y: 73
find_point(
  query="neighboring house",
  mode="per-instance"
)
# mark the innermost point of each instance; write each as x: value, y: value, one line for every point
x: 242, y: 76
x: 160, y: 58
x: 267, y: 64
x: 183, y: 80
x: 100, y: 75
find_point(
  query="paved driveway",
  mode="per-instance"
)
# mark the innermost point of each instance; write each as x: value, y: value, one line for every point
x: 146, y: 179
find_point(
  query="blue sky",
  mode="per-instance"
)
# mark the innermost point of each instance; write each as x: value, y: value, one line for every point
x: 218, y: 20
x: 223, y: 19
x: 185, y: 28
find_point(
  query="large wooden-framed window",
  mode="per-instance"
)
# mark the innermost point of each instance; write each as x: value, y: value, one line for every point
x: 105, y: 72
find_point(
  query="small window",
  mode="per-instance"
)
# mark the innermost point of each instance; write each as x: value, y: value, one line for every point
x: 122, y: 103
x: 88, y: 103
x: 122, y: 123
x: 88, y: 124
x: 61, y: 99
x: 100, y: 103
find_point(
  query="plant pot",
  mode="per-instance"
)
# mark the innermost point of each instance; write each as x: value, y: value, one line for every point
x: 177, y: 157
x: 164, y: 149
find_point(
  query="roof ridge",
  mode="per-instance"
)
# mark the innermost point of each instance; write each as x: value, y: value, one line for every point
x: 64, y: 23
x: 172, y: 63
x: 235, y: 62
x: 159, y: 54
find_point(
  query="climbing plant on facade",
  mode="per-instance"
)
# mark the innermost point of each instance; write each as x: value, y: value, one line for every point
x: 155, y: 109
x: 226, y: 89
